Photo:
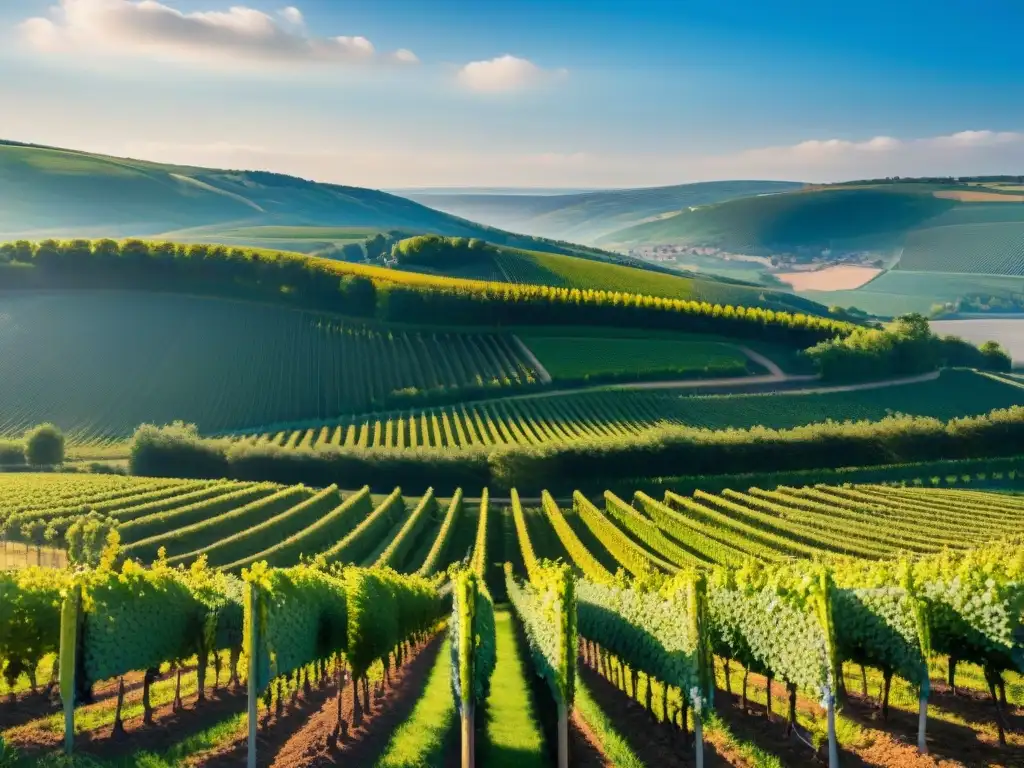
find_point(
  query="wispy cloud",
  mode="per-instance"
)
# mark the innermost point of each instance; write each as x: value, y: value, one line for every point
x: 505, y: 74
x: 962, y: 153
x: 238, y: 36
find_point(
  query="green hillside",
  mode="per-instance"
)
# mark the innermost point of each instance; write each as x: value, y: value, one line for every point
x: 942, y: 242
x: 52, y: 192
x: 99, y: 364
x: 586, y: 216
x: 811, y: 220
x: 514, y: 265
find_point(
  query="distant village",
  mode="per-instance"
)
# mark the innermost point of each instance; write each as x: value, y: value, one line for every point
x: 803, y: 259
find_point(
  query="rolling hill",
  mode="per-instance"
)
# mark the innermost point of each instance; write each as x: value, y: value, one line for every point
x: 939, y: 242
x: 586, y: 216
x: 52, y: 192
x: 875, y: 217
x: 515, y: 265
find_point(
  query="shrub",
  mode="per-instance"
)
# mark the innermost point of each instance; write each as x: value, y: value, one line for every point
x: 104, y: 468
x: 12, y: 453
x: 176, y: 451
x: 44, y: 446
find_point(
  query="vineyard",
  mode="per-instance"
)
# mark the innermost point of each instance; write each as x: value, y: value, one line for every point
x: 221, y: 365
x: 222, y: 631
x: 512, y: 265
x: 988, y: 248
x: 615, y: 413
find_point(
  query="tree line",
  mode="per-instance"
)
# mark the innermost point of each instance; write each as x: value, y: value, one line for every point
x: 588, y: 465
x: 906, y: 348
x: 439, y: 251
x: 386, y: 295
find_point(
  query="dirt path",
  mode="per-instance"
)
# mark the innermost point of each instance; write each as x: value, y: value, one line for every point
x: 169, y: 728
x: 542, y: 372
x: 584, y: 749
x: 768, y: 379
x: 739, y: 381
x: 769, y: 365
x: 304, y: 735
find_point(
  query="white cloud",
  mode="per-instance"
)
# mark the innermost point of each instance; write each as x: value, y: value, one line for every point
x: 957, y: 154
x: 149, y: 28
x: 292, y: 15
x: 504, y: 74
x: 977, y: 139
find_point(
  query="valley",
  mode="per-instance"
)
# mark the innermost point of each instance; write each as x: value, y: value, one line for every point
x: 390, y: 489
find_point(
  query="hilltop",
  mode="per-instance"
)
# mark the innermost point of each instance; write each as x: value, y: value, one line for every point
x: 54, y: 192
x: 800, y: 222
x: 587, y: 216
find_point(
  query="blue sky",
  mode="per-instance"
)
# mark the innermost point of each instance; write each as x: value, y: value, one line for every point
x: 564, y: 93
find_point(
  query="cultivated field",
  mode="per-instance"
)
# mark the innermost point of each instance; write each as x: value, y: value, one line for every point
x: 989, y: 248
x: 696, y: 574
x: 843, y: 277
x: 219, y: 364
x: 615, y: 413
x: 384, y: 559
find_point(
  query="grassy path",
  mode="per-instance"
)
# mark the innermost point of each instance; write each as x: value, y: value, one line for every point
x: 420, y: 741
x: 512, y: 737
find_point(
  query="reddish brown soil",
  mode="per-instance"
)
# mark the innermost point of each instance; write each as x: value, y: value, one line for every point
x: 304, y: 736
x: 168, y: 729
x: 893, y: 743
x: 584, y: 750
x: 946, y: 741
x: 655, y: 744
x: 28, y: 706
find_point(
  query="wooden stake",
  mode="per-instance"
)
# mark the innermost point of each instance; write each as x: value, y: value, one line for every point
x: 563, y: 736
x: 922, y: 724
x: 833, y: 743
x: 698, y: 739
x: 252, y: 693
x: 467, y: 736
